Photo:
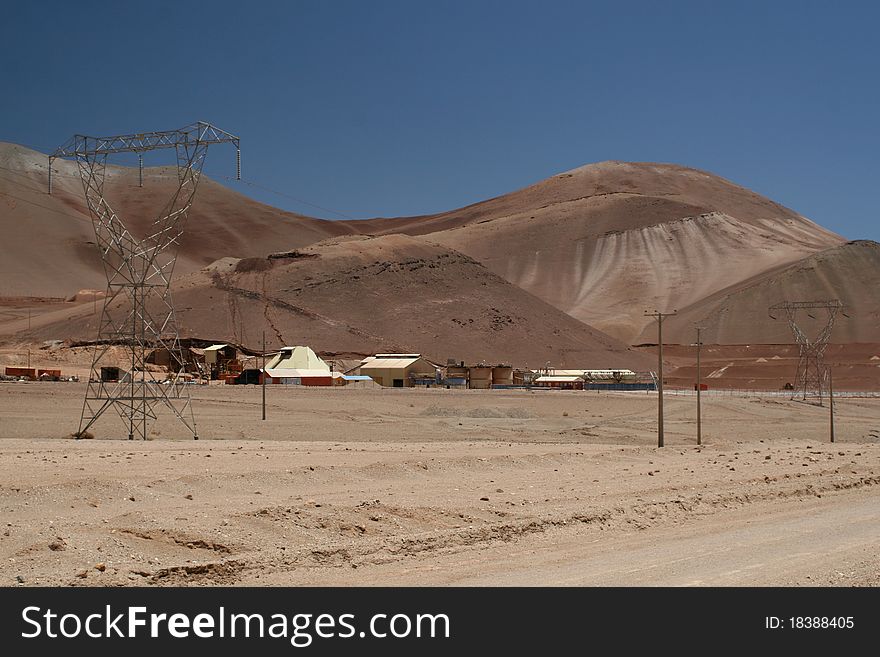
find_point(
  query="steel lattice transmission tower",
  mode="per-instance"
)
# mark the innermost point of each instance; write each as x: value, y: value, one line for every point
x: 810, y: 378
x: 138, y: 311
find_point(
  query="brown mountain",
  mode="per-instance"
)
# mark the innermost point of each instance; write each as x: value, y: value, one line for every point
x: 608, y: 241
x: 49, y: 250
x: 739, y: 314
x: 562, y: 270
x: 392, y: 293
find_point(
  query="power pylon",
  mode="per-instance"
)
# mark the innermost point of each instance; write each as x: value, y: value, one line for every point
x: 138, y: 311
x: 810, y: 378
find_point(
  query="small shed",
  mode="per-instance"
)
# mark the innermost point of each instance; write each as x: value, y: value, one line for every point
x: 109, y: 373
x: 396, y: 370
x: 248, y: 376
x: 221, y: 358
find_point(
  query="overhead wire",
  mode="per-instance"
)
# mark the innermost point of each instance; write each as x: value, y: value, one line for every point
x: 213, y: 174
x: 256, y: 185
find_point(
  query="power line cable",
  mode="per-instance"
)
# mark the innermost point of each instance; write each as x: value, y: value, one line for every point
x: 283, y: 194
x: 213, y: 174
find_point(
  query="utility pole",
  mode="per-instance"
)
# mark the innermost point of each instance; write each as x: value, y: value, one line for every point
x: 831, y: 403
x: 659, y: 316
x: 699, y: 388
x: 263, y: 378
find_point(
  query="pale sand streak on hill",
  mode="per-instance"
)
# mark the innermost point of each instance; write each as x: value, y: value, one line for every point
x: 668, y: 237
x: 850, y: 273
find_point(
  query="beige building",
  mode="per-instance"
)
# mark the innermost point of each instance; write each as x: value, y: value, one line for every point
x: 299, y: 366
x: 395, y: 370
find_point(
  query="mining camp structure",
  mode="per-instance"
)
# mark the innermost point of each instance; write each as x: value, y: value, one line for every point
x: 396, y: 370
x: 298, y: 366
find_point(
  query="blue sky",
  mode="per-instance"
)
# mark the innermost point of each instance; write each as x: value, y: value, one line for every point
x: 397, y: 108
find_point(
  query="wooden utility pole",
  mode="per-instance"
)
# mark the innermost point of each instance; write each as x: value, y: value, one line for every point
x: 659, y: 316
x: 263, y: 377
x: 699, y: 389
x: 831, y: 403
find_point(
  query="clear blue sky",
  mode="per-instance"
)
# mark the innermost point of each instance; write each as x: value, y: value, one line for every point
x: 396, y: 108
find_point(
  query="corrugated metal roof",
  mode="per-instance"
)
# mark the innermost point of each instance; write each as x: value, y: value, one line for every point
x: 388, y: 363
x: 301, y: 358
x: 558, y: 379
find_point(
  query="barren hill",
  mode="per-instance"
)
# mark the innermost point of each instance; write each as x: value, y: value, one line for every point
x: 606, y: 242
x: 738, y: 315
x: 48, y: 241
x: 387, y: 294
x: 600, y: 244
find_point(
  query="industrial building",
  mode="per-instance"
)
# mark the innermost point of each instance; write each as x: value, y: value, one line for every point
x: 480, y: 377
x: 221, y: 360
x: 396, y: 370
x: 502, y: 376
x: 560, y: 381
x: 477, y: 377
x: 299, y: 366
x: 32, y: 374
x: 22, y: 372
x: 591, y: 379
x: 457, y: 374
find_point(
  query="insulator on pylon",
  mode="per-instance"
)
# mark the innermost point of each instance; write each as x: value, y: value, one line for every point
x: 140, y: 170
x: 238, y: 164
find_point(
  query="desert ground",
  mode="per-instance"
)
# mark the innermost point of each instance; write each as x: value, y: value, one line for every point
x: 440, y: 487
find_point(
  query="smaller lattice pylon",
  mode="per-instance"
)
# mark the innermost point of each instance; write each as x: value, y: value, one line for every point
x: 810, y: 380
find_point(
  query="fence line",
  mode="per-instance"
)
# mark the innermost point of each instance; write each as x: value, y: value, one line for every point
x: 721, y: 392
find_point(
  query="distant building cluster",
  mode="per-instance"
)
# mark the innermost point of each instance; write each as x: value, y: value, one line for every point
x: 301, y: 366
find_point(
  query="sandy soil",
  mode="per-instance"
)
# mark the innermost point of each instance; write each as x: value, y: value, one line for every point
x: 440, y: 487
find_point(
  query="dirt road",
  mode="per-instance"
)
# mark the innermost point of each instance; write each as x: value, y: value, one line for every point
x: 830, y: 542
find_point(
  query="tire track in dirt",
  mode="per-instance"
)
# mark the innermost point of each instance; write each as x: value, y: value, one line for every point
x: 360, y: 548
